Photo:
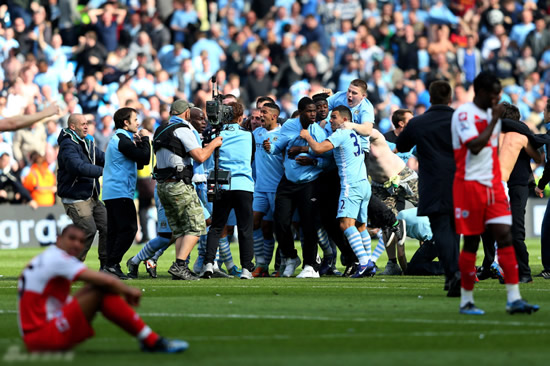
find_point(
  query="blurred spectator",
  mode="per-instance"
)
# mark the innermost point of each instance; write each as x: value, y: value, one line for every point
x: 171, y: 57
x: 91, y: 55
x: 469, y: 60
x: 27, y: 140
x: 11, y: 188
x: 538, y: 39
x: 40, y: 181
x: 103, y: 135
x: 106, y: 22
x: 159, y: 34
x: 520, y: 31
x: 184, y: 21
x: 215, y: 53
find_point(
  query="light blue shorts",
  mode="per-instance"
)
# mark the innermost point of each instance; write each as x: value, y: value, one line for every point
x: 354, y: 201
x: 232, y: 219
x: 418, y: 227
x: 264, y: 202
x: 162, y: 221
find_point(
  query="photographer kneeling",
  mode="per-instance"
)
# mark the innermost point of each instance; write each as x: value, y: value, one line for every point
x: 235, y: 156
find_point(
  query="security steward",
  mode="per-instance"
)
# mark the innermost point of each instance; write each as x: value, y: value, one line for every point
x: 175, y: 145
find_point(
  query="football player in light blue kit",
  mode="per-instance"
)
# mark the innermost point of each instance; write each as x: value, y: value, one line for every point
x: 355, y: 189
x: 355, y: 98
x: 269, y: 170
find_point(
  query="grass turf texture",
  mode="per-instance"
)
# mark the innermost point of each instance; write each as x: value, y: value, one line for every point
x: 327, y: 321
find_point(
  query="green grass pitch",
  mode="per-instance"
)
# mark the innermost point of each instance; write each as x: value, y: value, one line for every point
x: 327, y: 321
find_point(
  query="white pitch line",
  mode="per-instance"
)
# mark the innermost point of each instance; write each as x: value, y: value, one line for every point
x: 332, y: 319
x: 352, y: 334
x: 476, y: 321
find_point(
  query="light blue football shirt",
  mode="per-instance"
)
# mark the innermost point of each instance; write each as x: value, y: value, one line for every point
x: 362, y: 113
x: 269, y: 167
x: 349, y: 157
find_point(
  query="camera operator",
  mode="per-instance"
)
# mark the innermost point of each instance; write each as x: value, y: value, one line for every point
x: 175, y: 145
x: 235, y: 156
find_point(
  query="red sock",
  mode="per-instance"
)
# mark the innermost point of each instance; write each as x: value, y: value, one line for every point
x: 119, y: 312
x: 467, y: 265
x: 509, y: 264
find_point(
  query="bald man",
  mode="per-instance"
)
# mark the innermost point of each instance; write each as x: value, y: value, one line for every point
x: 80, y: 164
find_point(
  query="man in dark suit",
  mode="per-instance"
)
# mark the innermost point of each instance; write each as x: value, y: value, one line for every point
x: 431, y: 133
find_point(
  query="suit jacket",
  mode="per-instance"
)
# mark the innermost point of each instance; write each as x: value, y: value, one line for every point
x: 431, y: 133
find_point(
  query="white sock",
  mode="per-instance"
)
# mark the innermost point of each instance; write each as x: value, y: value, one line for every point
x: 513, y: 293
x: 466, y: 297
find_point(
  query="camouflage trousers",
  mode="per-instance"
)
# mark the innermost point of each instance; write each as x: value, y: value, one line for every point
x: 182, y: 207
x: 403, y: 187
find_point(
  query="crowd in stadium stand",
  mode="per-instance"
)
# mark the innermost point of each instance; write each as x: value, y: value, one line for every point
x: 94, y: 57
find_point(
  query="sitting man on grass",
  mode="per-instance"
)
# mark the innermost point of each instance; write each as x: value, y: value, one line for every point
x: 50, y: 319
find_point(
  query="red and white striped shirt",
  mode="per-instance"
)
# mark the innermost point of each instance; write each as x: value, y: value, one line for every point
x: 467, y: 123
x: 45, y: 286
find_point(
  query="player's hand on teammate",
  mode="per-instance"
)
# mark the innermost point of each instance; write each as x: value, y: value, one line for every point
x: 296, y: 150
x: 304, y: 134
x: 267, y: 145
x: 539, y: 192
x: 347, y: 126
x: 305, y: 160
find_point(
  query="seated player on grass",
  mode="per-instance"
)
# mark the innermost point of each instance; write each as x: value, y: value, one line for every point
x: 50, y: 319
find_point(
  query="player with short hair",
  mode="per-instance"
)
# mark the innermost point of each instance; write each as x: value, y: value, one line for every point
x: 355, y: 189
x: 480, y: 202
x: 269, y: 170
x: 50, y: 319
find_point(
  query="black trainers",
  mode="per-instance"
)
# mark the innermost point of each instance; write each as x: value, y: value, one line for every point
x: 164, y: 345
x: 181, y: 273
x: 350, y: 270
x: 115, y: 271
x: 132, y: 269
x: 151, y: 267
x: 218, y: 273
x: 544, y: 274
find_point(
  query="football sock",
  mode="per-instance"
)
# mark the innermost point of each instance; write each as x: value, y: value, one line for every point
x: 150, y: 249
x: 225, y: 253
x: 354, y: 239
x: 365, y: 237
x: 269, y: 247
x: 380, y: 247
x: 466, y: 296
x: 157, y: 255
x: 512, y: 292
x: 202, y: 245
x: 324, y: 243
x: 114, y: 308
x: 509, y: 265
x: 259, y: 246
x: 467, y: 265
